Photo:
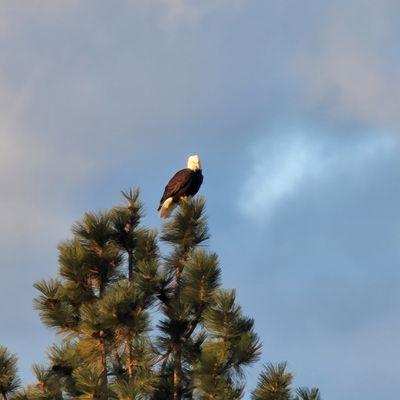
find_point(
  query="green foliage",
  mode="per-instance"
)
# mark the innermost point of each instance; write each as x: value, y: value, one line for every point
x: 231, y: 344
x: 47, y: 387
x: 9, y: 381
x: 102, y: 255
x: 227, y: 325
x: 214, y: 377
x: 89, y: 381
x: 146, y: 249
x: 202, y: 278
x: 94, y: 230
x: 64, y: 359
x: 188, y: 227
x: 75, y: 271
x: 20, y: 394
x: 55, y: 308
x: 125, y: 220
x: 274, y: 383
x: 123, y: 310
x: 113, y: 285
x: 141, y: 387
x: 308, y: 394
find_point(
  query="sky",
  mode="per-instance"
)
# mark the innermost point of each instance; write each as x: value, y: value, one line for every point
x: 293, y: 107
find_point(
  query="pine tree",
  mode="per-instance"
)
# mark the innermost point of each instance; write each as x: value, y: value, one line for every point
x: 205, y: 338
x: 112, y: 288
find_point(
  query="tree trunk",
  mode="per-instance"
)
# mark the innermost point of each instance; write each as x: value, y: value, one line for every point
x: 177, y: 373
x: 177, y: 352
x: 129, y: 358
x: 102, y: 285
x: 130, y: 265
x: 104, y: 379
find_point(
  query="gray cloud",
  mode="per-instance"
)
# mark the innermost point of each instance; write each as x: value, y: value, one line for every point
x: 34, y: 177
x: 349, y: 65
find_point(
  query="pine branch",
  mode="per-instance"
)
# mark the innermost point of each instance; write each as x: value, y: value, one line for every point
x: 9, y: 382
x: 308, y: 394
x: 274, y: 383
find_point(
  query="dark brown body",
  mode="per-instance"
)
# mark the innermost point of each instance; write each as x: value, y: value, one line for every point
x: 185, y: 182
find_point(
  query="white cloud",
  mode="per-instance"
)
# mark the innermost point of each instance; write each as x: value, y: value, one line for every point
x: 285, y: 166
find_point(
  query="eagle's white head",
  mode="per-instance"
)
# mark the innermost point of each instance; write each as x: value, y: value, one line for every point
x: 194, y: 163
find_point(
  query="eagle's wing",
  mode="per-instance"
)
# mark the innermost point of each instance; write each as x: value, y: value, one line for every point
x: 177, y: 184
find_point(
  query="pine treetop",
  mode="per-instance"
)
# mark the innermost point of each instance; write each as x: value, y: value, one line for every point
x: 137, y: 324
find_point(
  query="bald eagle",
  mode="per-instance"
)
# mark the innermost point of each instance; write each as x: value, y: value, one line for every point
x: 183, y: 185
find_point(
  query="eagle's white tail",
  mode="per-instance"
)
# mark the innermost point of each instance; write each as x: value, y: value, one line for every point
x: 167, y: 208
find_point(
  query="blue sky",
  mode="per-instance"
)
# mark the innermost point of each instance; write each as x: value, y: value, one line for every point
x: 293, y: 107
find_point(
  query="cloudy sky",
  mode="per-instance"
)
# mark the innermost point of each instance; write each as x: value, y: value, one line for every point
x: 293, y: 106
